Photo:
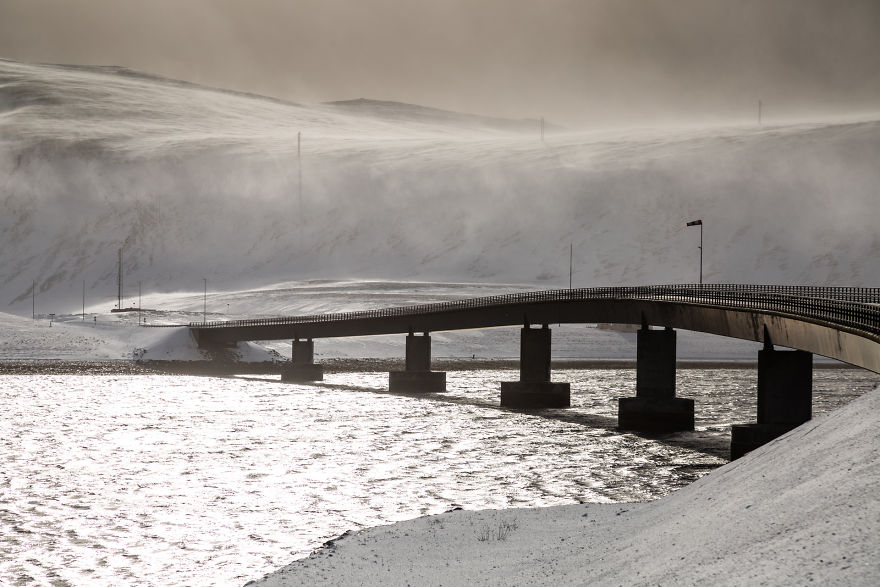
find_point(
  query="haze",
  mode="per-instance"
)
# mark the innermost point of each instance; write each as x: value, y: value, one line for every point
x: 599, y: 62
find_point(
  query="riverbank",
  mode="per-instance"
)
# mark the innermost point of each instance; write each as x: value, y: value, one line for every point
x: 801, y: 509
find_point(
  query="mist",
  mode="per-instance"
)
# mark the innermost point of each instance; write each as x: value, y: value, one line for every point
x: 195, y: 183
x: 599, y: 63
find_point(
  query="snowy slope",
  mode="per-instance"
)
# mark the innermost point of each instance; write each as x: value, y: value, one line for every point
x: 802, y: 509
x: 195, y: 182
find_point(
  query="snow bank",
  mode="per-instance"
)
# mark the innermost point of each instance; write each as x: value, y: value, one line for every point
x: 71, y: 339
x: 801, y: 509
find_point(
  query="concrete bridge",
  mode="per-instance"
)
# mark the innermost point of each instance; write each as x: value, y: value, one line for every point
x: 838, y: 322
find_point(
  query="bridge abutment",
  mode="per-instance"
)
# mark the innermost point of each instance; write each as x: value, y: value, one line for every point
x: 785, y: 399
x: 417, y: 376
x: 655, y: 407
x: 534, y: 389
x: 302, y: 367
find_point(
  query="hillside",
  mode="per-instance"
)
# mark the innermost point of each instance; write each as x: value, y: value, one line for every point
x: 195, y: 182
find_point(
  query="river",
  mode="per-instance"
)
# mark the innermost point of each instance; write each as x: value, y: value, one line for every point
x: 178, y: 480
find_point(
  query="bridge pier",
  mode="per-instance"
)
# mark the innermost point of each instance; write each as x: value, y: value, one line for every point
x: 655, y: 407
x: 785, y: 399
x: 534, y: 388
x: 302, y: 367
x: 417, y: 377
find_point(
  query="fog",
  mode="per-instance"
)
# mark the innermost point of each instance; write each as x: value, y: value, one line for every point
x: 197, y: 183
x: 577, y: 62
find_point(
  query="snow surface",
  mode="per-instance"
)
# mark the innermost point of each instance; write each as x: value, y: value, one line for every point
x: 198, y: 183
x: 801, y: 509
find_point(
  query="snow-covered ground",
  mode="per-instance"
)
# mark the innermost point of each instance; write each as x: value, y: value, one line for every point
x: 198, y: 183
x: 801, y: 509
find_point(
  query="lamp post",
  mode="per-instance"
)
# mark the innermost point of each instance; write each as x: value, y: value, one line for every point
x: 700, y: 224
x: 205, y: 309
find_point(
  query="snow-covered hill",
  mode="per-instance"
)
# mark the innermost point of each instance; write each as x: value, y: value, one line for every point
x: 195, y: 182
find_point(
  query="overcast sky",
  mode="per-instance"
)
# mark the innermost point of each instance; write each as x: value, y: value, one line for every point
x: 572, y: 61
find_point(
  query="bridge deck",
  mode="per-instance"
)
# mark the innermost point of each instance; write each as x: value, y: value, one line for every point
x: 838, y: 322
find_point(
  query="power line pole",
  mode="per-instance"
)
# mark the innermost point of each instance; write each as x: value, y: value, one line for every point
x: 34, y: 299
x: 205, y: 309
x: 84, y: 301
x: 119, y: 282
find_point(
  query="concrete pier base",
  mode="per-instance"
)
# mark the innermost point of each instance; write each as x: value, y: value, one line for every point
x: 745, y: 438
x: 655, y: 407
x: 302, y: 367
x: 534, y: 389
x: 535, y: 394
x: 785, y: 399
x: 417, y: 377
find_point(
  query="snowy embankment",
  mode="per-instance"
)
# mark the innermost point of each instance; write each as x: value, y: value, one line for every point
x: 801, y: 509
x: 108, y: 339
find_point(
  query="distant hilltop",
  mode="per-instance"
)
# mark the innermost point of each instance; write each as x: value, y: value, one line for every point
x: 399, y: 111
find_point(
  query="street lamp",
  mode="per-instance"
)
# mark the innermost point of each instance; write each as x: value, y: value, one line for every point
x: 700, y: 224
x: 205, y: 309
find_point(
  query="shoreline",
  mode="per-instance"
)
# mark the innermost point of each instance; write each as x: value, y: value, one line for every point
x: 333, y: 365
x: 774, y: 521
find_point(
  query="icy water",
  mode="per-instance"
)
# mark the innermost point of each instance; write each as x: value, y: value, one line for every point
x: 145, y: 480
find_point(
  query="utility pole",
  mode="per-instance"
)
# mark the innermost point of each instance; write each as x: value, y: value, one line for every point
x: 34, y: 299
x: 570, y: 263
x: 119, y: 282
x: 205, y: 309
x: 299, y: 170
x: 84, y: 301
x: 139, y: 303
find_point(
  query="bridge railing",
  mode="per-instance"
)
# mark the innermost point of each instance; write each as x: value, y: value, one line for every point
x: 851, y: 307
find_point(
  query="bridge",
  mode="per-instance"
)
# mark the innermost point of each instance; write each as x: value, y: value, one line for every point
x: 842, y: 323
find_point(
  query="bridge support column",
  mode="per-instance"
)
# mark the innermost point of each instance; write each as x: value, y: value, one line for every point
x: 418, y: 377
x: 302, y: 367
x: 534, y: 388
x: 785, y: 399
x: 655, y: 407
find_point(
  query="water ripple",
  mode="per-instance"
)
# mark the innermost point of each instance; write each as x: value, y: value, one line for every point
x: 146, y: 479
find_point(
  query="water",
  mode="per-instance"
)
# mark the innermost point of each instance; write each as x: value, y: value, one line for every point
x: 148, y: 480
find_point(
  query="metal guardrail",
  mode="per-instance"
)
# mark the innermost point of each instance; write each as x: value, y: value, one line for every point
x: 855, y: 308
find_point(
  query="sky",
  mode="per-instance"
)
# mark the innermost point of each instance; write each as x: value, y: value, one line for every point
x: 593, y: 62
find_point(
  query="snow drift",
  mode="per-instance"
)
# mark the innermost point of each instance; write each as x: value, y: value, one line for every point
x: 194, y: 182
x: 801, y: 509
